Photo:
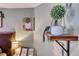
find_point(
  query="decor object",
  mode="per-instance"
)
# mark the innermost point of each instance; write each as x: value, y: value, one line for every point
x: 29, y: 23
x: 15, y: 45
x: 57, y: 13
x: 45, y: 30
x: 26, y: 51
x: 1, y: 18
x: 23, y: 51
x: 57, y: 30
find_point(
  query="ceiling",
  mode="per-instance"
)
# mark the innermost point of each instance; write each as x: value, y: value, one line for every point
x: 19, y: 5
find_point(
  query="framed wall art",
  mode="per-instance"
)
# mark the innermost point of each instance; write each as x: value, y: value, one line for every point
x: 29, y: 23
x: 26, y: 51
x: 23, y: 51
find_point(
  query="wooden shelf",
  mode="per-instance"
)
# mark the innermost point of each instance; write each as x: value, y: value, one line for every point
x: 67, y: 38
x: 62, y: 37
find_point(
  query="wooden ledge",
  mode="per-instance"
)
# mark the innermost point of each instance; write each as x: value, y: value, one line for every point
x: 62, y: 37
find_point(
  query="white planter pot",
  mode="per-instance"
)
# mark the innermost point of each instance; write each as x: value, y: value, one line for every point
x: 57, y: 30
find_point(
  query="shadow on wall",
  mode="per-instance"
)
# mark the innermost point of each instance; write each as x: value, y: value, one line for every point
x: 70, y: 14
x: 27, y: 41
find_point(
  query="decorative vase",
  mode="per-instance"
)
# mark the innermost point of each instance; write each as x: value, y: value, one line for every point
x: 57, y: 30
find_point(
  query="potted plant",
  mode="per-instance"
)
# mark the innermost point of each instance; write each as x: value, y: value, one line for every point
x: 57, y: 13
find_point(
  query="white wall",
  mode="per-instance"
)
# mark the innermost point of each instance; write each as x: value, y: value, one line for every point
x: 13, y: 21
x: 43, y: 19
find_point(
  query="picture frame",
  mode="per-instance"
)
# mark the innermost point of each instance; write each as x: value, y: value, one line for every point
x: 26, y: 51
x: 29, y: 23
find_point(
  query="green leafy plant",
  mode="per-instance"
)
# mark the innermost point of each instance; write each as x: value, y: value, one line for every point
x: 57, y: 12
